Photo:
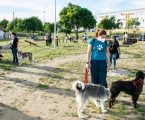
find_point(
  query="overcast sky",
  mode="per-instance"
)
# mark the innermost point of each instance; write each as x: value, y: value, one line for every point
x: 27, y: 8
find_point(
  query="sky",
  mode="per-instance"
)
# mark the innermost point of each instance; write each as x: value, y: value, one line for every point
x: 28, y: 8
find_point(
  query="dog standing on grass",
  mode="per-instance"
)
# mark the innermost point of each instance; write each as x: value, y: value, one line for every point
x: 83, y: 92
x: 21, y: 56
x: 133, y: 88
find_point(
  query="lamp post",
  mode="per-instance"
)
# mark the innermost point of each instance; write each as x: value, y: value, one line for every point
x: 142, y: 29
x: 14, y: 19
x: 44, y: 17
x: 55, y: 26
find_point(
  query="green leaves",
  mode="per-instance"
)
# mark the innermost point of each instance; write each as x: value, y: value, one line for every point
x: 32, y: 24
x: 73, y: 17
x: 3, y: 24
x: 109, y: 23
x: 133, y: 23
x: 49, y: 27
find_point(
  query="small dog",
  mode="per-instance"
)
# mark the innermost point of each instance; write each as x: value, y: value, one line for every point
x: 95, y: 92
x: 24, y: 55
x: 133, y: 88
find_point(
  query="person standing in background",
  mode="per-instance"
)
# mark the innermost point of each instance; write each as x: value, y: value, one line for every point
x: 14, y: 47
x: 46, y: 38
x: 49, y: 39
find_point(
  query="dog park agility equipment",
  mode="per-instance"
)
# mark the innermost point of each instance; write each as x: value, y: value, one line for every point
x: 31, y: 42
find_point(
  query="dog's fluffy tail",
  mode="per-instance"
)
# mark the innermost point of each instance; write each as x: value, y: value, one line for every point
x: 78, y: 85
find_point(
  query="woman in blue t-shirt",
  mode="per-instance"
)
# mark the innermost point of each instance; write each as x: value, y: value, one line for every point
x: 98, y: 58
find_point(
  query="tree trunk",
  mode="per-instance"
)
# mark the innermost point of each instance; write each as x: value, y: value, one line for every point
x: 66, y: 34
x: 77, y: 34
x: 4, y: 35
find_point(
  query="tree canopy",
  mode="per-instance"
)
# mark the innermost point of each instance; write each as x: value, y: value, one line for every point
x: 3, y: 24
x: 73, y: 17
x: 32, y: 24
x: 133, y: 23
x: 109, y: 23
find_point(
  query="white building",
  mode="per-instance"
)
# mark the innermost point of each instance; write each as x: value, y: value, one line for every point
x: 1, y: 34
x: 125, y: 15
x: 4, y: 35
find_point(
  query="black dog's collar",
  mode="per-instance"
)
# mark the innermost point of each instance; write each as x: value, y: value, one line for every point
x: 136, y: 82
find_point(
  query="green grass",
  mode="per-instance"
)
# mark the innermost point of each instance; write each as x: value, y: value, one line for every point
x: 42, y: 52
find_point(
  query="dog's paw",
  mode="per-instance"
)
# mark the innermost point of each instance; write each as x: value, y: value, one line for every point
x: 82, y: 116
x: 104, y: 111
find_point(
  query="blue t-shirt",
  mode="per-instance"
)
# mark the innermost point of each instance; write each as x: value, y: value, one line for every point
x: 98, y: 49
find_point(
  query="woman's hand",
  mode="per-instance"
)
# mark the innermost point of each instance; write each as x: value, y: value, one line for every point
x: 88, y: 66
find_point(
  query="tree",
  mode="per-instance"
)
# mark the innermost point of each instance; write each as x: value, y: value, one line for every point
x: 63, y: 28
x: 3, y: 24
x: 73, y: 17
x: 32, y: 24
x: 109, y: 23
x: 49, y: 27
x: 133, y: 23
x: 15, y: 25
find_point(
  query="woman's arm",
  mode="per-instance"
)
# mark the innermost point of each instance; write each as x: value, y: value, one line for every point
x: 17, y: 45
x: 118, y: 48
x: 108, y: 58
x: 88, y: 57
x: 89, y: 53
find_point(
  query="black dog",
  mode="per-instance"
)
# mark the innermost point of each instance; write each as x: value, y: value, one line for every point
x: 133, y: 88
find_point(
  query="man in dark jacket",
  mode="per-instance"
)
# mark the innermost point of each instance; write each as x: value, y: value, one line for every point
x: 15, y: 47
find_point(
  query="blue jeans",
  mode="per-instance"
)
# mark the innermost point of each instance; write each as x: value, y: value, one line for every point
x: 99, y: 72
x: 113, y: 59
x: 14, y: 53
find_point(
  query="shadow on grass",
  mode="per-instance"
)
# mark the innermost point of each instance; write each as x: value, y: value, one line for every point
x: 6, y: 64
x: 52, y: 69
x: 39, y: 86
x: 123, y: 109
x: 50, y: 72
x: 10, y: 113
x: 47, y: 74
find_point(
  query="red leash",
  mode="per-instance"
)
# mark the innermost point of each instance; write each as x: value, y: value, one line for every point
x: 86, y: 77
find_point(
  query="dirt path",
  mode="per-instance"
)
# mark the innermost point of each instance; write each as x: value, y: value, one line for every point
x: 22, y: 99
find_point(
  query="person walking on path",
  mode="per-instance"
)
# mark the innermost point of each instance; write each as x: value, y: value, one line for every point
x: 114, y: 51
